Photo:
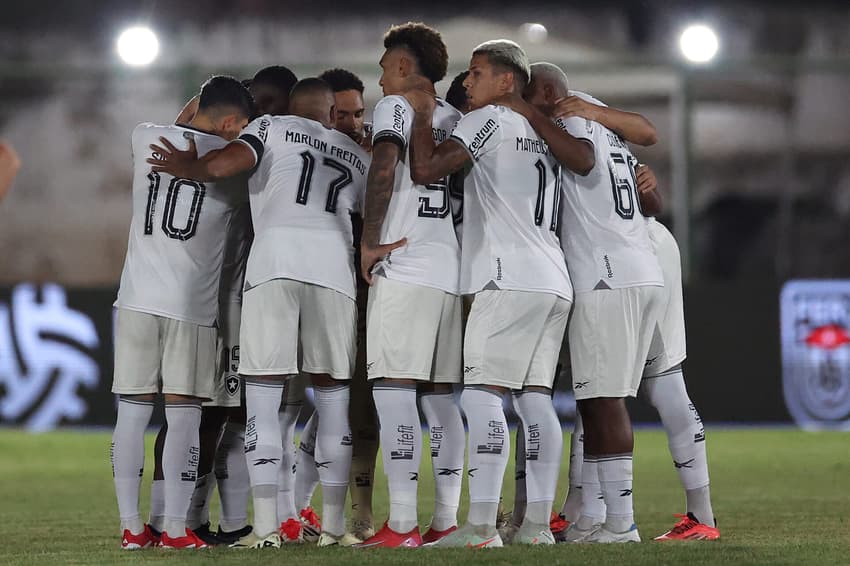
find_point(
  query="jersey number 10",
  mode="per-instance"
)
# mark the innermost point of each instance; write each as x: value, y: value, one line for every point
x: 190, y: 227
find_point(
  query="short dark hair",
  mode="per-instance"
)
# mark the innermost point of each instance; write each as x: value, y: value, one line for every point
x: 309, y: 86
x: 222, y: 91
x: 426, y: 45
x: 341, y: 80
x: 456, y: 95
x: 277, y: 76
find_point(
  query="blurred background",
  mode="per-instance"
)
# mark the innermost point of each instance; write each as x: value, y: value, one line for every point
x: 749, y: 99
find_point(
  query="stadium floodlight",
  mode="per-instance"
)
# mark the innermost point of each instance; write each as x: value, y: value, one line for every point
x: 137, y: 46
x: 699, y: 43
x: 534, y: 32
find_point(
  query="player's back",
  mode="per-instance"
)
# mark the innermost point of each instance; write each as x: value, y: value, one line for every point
x: 420, y: 213
x: 604, y: 234
x: 511, y: 207
x: 308, y: 181
x: 176, y: 245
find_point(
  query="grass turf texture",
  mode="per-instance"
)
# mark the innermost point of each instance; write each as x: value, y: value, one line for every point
x: 781, y: 496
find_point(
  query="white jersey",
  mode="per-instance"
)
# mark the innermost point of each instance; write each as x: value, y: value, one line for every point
x: 177, y: 235
x: 308, y: 181
x: 510, y: 208
x: 237, y: 246
x: 422, y: 214
x: 604, y: 233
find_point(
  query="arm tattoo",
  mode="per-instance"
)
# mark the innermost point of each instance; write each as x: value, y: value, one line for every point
x: 379, y: 191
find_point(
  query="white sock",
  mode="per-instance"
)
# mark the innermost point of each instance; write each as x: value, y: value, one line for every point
x: 199, y: 506
x: 615, y: 478
x: 572, y: 504
x: 263, y: 451
x: 448, y: 439
x: 128, y: 459
x: 685, y: 437
x: 520, y: 474
x: 593, y: 509
x: 333, y: 454
x: 544, y: 446
x: 231, y: 471
x: 306, y: 474
x: 488, y: 450
x: 157, y: 513
x: 287, y: 418
x: 401, y: 448
x: 180, y: 464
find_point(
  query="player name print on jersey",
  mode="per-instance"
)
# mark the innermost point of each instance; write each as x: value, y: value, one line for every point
x: 420, y: 213
x: 307, y: 181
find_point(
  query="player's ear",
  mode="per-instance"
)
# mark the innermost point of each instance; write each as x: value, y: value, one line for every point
x: 405, y: 66
x: 333, y: 115
x: 549, y: 94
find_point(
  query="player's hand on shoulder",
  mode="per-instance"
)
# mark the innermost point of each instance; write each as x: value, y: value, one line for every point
x: 171, y: 160
x: 573, y: 106
x: 370, y: 255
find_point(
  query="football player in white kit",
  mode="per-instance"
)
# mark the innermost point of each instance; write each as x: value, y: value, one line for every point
x: 619, y: 293
x: 348, y: 97
x: 307, y: 179
x: 167, y: 309
x: 663, y: 383
x: 664, y: 388
x: 413, y: 323
x: 512, y: 262
x: 220, y: 449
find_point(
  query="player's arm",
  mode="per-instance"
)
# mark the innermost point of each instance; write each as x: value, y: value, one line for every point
x: 379, y: 190
x: 631, y: 126
x: 430, y: 162
x: 188, y: 111
x: 647, y: 186
x: 234, y: 158
x: 9, y: 165
x: 573, y: 153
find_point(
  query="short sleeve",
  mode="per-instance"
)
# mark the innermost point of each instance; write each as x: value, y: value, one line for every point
x: 478, y: 131
x: 392, y: 120
x: 577, y: 127
x: 256, y: 135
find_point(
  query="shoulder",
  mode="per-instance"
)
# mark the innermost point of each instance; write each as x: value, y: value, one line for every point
x: 586, y: 97
x: 448, y: 110
x: 147, y: 130
x: 394, y: 101
x: 487, y: 118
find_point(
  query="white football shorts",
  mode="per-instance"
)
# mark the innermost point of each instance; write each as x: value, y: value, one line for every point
x: 668, y: 348
x: 280, y: 315
x: 155, y: 353
x: 513, y: 338
x: 413, y: 332
x: 609, y: 335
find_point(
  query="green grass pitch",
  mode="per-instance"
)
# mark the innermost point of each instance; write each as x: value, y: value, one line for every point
x: 781, y: 497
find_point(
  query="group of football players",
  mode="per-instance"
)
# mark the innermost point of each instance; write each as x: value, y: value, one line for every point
x: 442, y: 256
